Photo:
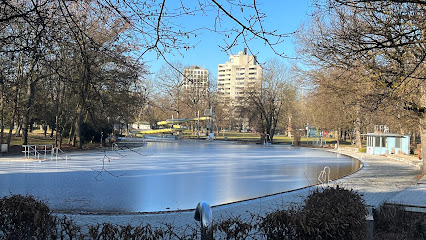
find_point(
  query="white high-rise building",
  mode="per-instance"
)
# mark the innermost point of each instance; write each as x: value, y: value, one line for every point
x: 237, y: 78
x: 195, y: 79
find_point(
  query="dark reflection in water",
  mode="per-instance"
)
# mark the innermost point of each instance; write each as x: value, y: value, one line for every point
x: 170, y: 176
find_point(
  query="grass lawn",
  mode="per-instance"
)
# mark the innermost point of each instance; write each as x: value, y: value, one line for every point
x: 36, y: 137
x: 255, y: 137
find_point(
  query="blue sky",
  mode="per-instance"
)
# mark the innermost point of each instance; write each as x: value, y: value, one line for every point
x: 285, y: 16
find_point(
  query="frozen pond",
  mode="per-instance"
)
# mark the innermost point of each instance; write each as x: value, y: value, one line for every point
x: 169, y: 176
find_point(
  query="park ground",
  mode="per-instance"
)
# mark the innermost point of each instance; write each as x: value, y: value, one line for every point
x: 37, y: 137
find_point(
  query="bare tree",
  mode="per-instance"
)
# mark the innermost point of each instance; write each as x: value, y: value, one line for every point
x: 157, y: 22
x: 269, y: 100
x: 67, y: 51
x: 382, y: 41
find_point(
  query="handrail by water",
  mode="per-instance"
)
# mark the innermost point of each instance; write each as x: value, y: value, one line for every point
x: 324, y: 176
x: 57, y: 151
x: 31, y: 151
x: 114, y: 147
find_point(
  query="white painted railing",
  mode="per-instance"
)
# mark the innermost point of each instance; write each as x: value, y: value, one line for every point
x: 57, y: 152
x: 324, y: 176
x: 114, y: 147
x: 42, y: 151
x: 30, y: 151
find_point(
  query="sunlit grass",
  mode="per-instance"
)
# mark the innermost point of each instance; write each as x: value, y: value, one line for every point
x: 36, y: 137
x: 252, y: 137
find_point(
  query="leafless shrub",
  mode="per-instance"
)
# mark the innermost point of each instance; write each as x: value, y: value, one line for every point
x: 24, y: 217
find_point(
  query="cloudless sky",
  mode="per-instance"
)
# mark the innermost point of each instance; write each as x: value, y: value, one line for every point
x: 285, y: 16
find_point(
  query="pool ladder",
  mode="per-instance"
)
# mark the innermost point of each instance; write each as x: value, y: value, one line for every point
x: 324, y: 176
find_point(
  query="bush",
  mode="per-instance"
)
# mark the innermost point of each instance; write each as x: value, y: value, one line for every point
x: 234, y: 228
x: 393, y: 222
x: 331, y: 213
x: 24, y: 217
x: 334, y: 213
x: 67, y: 229
x: 112, y: 231
x: 281, y: 224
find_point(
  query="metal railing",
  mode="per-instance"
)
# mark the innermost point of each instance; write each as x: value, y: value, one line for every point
x: 57, y: 152
x: 41, y: 152
x: 114, y: 147
x: 324, y: 176
x: 31, y: 151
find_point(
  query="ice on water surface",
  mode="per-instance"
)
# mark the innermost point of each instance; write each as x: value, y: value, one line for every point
x: 168, y: 175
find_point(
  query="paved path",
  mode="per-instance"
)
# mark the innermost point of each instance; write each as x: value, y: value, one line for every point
x: 381, y: 179
x: 413, y: 197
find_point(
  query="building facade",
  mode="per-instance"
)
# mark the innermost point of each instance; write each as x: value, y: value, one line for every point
x: 237, y: 78
x: 195, y: 80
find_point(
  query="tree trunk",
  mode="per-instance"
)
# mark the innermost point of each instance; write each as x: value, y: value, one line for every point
x: 71, y: 135
x: 18, y: 128
x: 78, y: 122
x: 60, y: 141
x: 58, y: 118
x: 85, y: 79
x: 15, y: 112
x: 413, y: 138
x: 423, y: 127
x: 296, y: 138
x: 28, y: 106
x: 2, y: 115
x: 338, y: 137
x: 358, y: 141
x: 289, y: 126
x: 423, y: 140
x: 57, y: 130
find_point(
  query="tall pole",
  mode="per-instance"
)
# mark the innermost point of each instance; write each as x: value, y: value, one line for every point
x: 211, y: 119
x: 198, y: 125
